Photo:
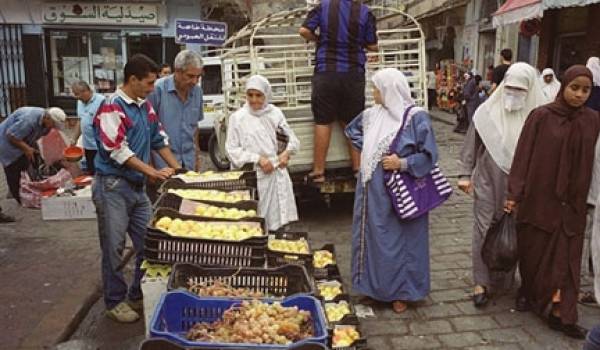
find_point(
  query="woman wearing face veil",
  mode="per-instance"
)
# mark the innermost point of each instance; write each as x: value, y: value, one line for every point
x: 486, y: 159
x: 548, y: 186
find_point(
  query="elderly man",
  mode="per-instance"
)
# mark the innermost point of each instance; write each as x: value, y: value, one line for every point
x: 177, y: 99
x: 126, y: 129
x: 87, y: 106
x: 18, y: 136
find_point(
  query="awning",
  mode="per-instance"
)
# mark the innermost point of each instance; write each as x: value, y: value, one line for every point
x: 429, y: 8
x: 552, y: 4
x: 514, y: 11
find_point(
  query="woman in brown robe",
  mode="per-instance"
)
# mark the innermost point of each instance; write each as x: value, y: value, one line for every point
x: 548, y: 186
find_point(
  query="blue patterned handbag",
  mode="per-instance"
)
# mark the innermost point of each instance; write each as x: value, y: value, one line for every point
x: 412, y: 197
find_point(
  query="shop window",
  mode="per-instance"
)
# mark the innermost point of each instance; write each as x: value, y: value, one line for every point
x: 68, y: 60
x: 107, y: 61
x: 95, y: 57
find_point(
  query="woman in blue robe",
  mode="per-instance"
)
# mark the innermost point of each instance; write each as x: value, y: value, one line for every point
x: 390, y: 256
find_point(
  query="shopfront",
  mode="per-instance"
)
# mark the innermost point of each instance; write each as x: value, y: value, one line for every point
x: 569, y: 36
x: 91, y: 42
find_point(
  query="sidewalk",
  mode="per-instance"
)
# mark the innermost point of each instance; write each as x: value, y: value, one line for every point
x: 50, y: 272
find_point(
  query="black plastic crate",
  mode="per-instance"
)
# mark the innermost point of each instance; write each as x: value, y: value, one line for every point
x: 247, y: 179
x: 330, y: 271
x: 341, y: 296
x: 173, y: 201
x: 350, y: 318
x: 164, y: 249
x: 154, y: 232
x: 277, y: 258
x: 275, y: 282
x: 359, y: 344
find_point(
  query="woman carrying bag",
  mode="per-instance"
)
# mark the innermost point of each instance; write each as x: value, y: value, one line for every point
x: 390, y: 255
x: 486, y: 159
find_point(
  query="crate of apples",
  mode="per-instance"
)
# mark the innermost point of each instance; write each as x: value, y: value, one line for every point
x: 336, y: 311
x: 328, y: 290
x: 344, y: 336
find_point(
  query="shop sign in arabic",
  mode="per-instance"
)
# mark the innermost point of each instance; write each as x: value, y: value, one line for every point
x: 200, y: 32
x: 110, y: 13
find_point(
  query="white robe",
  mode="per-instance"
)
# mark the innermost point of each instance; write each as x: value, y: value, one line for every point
x: 248, y: 138
x: 594, y: 199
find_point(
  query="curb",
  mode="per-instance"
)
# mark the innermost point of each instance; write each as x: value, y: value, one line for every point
x: 49, y: 333
x: 89, y: 303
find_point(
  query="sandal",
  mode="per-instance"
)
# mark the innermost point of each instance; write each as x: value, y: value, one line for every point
x: 314, y: 178
x: 587, y: 298
x: 399, y: 306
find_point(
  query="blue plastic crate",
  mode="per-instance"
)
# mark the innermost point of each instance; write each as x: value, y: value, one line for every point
x: 178, y: 311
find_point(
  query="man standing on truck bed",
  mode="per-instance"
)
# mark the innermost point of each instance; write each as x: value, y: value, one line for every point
x: 346, y: 28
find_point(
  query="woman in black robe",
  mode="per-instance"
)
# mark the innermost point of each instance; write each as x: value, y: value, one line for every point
x: 548, y: 186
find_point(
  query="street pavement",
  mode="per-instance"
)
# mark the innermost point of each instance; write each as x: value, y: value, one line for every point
x: 444, y: 320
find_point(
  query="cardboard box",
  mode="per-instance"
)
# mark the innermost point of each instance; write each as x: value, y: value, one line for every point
x: 68, y: 208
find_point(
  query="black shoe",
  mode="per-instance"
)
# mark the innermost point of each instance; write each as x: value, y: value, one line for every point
x: 481, y: 299
x: 6, y: 218
x: 522, y: 304
x: 570, y: 330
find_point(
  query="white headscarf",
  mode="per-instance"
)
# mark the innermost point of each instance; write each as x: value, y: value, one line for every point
x: 550, y: 89
x: 382, y: 122
x: 260, y: 83
x: 593, y: 64
x: 498, y: 128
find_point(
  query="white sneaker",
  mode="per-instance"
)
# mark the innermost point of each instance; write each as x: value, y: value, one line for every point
x: 122, y: 313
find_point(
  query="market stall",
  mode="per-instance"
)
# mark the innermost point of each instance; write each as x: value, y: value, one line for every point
x: 216, y: 277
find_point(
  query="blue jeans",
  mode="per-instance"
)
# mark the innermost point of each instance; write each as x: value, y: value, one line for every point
x: 121, y: 207
x: 592, y: 341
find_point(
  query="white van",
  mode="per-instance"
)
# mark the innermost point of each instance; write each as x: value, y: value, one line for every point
x: 212, y: 96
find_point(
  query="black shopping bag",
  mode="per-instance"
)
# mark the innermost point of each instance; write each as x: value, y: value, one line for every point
x: 499, y: 250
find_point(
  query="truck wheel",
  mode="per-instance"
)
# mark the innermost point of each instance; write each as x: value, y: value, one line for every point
x: 219, y: 160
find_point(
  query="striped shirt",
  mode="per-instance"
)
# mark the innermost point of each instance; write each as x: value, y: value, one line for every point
x: 346, y: 27
x: 124, y: 128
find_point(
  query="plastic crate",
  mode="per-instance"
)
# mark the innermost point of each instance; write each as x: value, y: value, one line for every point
x: 276, y: 258
x: 277, y: 282
x: 350, y: 318
x: 330, y: 271
x: 359, y: 344
x: 173, y: 201
x: 163, y: 344
x: 165, y: 249
x: 177, y: 312
x: 158, y: 233
x: 247, y: 180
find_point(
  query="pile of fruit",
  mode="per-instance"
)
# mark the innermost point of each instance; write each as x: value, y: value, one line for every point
x: 336, y: 311
x: 344, y: 336
x: 257, y: 323
x: 212, y: 195
x: 212, y: 211
x: 213, y: 176
x: 287, y: 246
x: 322, y: 258
x: 226, y: 231
x: 329, y: 289
x: 218, y: 288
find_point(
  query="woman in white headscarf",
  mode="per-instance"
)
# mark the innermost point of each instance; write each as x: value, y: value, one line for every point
x: 254, y: 136
x: 390, y: 257
x: 593, y: 101
x: 550, y: 85
x: 486, y: 159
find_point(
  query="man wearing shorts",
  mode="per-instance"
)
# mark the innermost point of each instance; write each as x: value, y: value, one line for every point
x: 345, y: 29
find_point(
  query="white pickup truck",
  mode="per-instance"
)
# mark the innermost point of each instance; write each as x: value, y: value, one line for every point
x: 272, y: 47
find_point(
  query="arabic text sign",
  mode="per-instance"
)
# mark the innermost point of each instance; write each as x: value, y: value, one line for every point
x: 85, y: 13
x: 200, y: 32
